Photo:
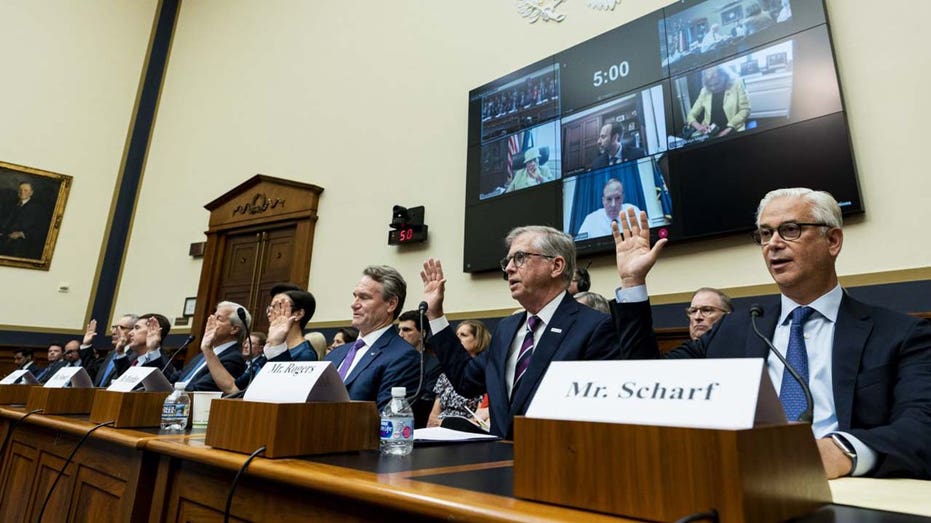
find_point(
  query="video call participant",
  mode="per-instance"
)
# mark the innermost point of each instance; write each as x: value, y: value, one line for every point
x: 554, y: 327
x: 598, y: 222
x: 869, y: 368
x: 224, y: 335
x: 145, y: 341
x: 379, y: 359
x: 706, y: 308
x: 722, y: 105
x: 532, y: 173
x: 611, y: 147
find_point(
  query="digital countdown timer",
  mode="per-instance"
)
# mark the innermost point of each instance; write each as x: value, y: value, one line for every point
x: 407, y: 234
x: 612, y: 74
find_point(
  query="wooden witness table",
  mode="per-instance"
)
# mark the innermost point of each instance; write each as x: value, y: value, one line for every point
x: 139, y: 475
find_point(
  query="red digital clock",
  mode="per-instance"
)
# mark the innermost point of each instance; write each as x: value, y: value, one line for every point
x: 407, y: 233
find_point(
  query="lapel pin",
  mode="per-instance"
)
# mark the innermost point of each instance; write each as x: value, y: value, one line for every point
x: 557, y: 331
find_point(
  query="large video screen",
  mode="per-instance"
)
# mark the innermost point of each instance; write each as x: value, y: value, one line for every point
x: 690, y: 113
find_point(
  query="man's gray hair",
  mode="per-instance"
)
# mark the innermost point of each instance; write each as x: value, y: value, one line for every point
x: 133, y: 317
x: 824, y: 208
x: 392, y: 284
x: 235, y: 321
x: 725, y: 299
x: 550, y: 242
x: 593, y: 300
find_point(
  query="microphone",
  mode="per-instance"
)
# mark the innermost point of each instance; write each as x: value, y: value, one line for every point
x: 422, y: 309
x: 242, y: 317
x: 807, y: 415
x: 175, y: 353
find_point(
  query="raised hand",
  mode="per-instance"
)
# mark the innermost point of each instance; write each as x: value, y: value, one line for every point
x: 210, y: 332
x: 90, y: 333
x: 153, y: 334
x: 122, y: 341
x: 635, y: 258
x: 434, y: 287
x: 280, y: 320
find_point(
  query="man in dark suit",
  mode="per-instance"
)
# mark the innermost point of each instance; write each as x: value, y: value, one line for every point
x: 224, y: 336
x: 104, y: 368
x: 379, y: 359
x: 55, y: 363
x: 611, y: 147
x: 869, y: 368
x: 539, y: 267
x: 145, y: 341
x: 23, y: 232
x: 23, y: 360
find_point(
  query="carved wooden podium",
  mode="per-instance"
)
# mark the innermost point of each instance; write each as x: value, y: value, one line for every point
x: 128, y: 409
x: 767, y: 473
x: 292, y: 429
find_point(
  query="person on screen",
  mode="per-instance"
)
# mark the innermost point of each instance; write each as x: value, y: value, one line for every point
x: 611, y: 147
x: 868, y: 368
x: 598, y: 222
x: 757, y: 19
x: 553, y: 326
x: 707, y: 307
x: 785, y: 12
x: 711, y: 38
x: 532, y: 173
x: 722, y: 106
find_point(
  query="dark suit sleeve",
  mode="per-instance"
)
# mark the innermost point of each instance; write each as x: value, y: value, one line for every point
x: 466, y: 374
x: 119, y: 367
x: 634, y: 324
x: 904, y: 443
x: 402, y: 371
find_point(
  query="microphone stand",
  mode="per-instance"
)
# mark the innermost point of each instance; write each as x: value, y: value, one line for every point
x: 807, y: 415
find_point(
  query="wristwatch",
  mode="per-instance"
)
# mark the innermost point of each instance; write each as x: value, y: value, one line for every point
x: 847, y: 449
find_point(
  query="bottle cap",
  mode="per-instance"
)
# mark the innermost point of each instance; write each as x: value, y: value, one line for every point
x: 180, y: 385
x: 398, y: 392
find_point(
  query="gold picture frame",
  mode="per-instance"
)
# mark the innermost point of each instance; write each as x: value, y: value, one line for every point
x: 32, y: 203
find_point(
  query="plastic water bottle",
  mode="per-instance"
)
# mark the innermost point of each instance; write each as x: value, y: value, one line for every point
x: 397, y: 425
x: 176, y: 409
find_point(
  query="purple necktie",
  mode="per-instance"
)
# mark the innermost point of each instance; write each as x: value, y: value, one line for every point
x: 350, y: 356
x: 526, y: 350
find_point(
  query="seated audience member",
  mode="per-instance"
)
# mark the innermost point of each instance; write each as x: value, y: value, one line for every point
x: 223, y: 337
x: 55, y: 363
x: 72, y: 354
x: 282, y: 323
x: 343, y: 336
x: 474, y: 338
x: 379, y: 359
x: 707, y: 307
x: 317, y: 342
x: 119, y: 337
x: 23, y: 360
x: 581, y: 281
x: 409, y: 329
x: 255, y: 348
x: 301, y: 304
x: 145, y: 342
x: 869, y: 368
x: 554, y: 327
x: 593, y: 300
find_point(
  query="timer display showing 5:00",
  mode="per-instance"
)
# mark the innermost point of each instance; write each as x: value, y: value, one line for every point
x: 613, y: 73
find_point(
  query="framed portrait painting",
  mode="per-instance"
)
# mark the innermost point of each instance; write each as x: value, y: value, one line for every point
x: 32, y: 203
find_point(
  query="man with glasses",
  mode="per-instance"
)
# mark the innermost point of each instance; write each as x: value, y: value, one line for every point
x: 868, y: 368
x: 707, y: 307
x: 553, y: 327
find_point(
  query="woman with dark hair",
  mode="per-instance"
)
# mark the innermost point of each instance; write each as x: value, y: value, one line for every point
x: 343, y: 336
x: 722, y: 106
x: 474, y: 338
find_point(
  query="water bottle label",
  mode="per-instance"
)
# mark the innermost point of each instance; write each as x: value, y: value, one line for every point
x: 397, y: 428
x: 387, y: 428
x: 174, y: 410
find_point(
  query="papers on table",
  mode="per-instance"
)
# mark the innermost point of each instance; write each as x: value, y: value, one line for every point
x: 435, y: 434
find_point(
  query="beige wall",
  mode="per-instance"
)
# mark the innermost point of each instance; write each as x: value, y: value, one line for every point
x: 71, y: 72
x: 369, y: 100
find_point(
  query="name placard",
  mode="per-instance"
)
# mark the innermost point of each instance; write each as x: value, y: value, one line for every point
x: 700, y: 393
x: 17, y: 375
x: 75, y: 377
x: 151, y: 379
x: 297, y: 382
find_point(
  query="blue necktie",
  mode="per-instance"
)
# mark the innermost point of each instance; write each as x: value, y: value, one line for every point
x: 106, y: 374
x: 791, y: 393
x: 195, y: 366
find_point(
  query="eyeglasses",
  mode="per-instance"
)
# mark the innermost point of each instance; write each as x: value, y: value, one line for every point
x: 123, y: 327
x: 788, y: 231
x: 270, y: 308
x: 520, y: 258
x: 705, y: 310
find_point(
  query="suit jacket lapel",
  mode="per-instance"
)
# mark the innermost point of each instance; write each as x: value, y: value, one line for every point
x: 371, y: 354
x: 850, y: 334
x: 756, y: 347
x: 544, y: 351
